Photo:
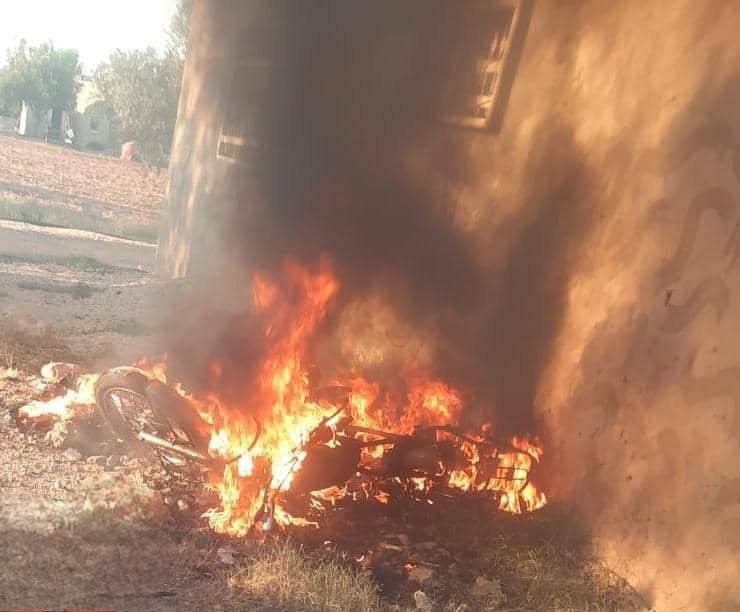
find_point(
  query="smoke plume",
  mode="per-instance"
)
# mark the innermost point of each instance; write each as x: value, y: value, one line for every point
x: 354, y: 93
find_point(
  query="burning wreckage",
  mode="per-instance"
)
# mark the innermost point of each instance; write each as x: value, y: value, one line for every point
x: 288, y: 450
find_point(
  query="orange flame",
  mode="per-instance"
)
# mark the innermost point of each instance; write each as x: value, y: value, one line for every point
x: 74, y: 402
x: 261, y: 438
x: 156, y: 370
x: 280, y: 400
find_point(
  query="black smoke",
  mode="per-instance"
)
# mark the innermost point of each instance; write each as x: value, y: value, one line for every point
x: 353, y: 91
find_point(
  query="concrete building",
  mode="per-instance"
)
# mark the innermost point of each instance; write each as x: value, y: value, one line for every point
x: 40, y: 124
x: 91, y: 126
x: 592, y: 162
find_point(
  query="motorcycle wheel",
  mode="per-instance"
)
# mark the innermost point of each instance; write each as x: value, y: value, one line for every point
x: 120, y: 397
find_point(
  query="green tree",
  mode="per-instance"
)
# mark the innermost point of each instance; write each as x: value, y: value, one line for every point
x: 44, y: 77
x: 179, y: 30
x: 142, y: 89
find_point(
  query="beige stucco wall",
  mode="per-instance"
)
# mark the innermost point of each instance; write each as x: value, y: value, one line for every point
x: 85, y: 137
x: 607, y: 205
x: 641, y: 390
x: 194, y: 171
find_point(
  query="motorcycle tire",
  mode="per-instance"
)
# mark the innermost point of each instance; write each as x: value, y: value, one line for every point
x: 128, y: 382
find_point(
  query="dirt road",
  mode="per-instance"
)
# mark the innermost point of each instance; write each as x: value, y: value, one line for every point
x: 97, y: 291
x: 25, y: 239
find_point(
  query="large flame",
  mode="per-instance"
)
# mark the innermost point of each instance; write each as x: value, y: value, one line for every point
x: 262, y: 437
x: 268, y: 430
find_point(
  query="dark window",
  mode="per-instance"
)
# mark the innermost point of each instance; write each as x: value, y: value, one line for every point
x: 247, y: 95
x: 239, y: 135
x: 485, y: 62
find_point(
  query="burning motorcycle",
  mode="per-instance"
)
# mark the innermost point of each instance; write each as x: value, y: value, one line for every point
x: 338, y: 459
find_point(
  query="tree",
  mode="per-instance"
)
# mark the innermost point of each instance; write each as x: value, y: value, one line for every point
x: 179, y: 30
x: 44, y: 77
x: 142, y: 89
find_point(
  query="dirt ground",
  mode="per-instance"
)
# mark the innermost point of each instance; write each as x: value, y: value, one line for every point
x: 77, y: 247
x: 46, y: 184
x: 98, y: 292
x: 74, y: 175
x: 86, y: 531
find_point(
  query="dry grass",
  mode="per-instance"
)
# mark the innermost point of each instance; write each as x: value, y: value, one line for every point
x: 288, y: 578
x: 27, y: 349
x: 128, y: 327
x: 541, y: 562
x: 480, y: 558
x: 79, y: 263
x: 104, y: 561
x: 125, y: 224
x: 553, y: 576
x: 79, y: 291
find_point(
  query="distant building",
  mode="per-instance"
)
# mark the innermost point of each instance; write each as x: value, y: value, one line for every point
x: 48, y: 123
x: 91, y: 126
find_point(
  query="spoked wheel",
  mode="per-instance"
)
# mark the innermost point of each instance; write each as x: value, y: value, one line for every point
x: 121, y: 396
x: 131, y: 403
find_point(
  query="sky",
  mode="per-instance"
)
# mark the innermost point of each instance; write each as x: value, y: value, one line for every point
x: 95, y: 28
